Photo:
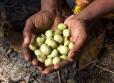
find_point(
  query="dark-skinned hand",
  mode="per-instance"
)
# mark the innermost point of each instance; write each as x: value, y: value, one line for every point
x: 78, y: 36
x: 37, y: 23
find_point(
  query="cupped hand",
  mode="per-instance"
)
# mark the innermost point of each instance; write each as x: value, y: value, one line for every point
x: 78, y: 36
x: 35, y: 24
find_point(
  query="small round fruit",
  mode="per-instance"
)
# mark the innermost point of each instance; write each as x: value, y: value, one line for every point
x: 66, y: 43
x: 52, y: 44
x: 58, y: 38
x: 58, y: 32
x: 64, y: 57
x: 66, y: 33
x: 48, y: 62
x: 49, y: 33
x: 46, y: 50
x: 62, y: 26
x: 59, y: 47
x: 54, y: 53
x: 66, y: 38
x: 41, y: 59
x: 56, y: 60
x: 63, y: 50
x: 32, y: 47
x: 37, y: 52
x: 40, y: 40
x: 48, y: 40
x: 71, y: 44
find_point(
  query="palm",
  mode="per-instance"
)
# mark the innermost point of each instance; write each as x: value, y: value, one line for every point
x: 37, y: 23
x: 78, y: 34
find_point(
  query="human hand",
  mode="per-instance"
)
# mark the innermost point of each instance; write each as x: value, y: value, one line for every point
x: 37, y: 23
x: 78, y: 36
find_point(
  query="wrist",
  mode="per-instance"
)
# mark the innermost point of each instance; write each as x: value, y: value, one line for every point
x: 51, y: 11
x: 49, y: 14
x: 49, y: 6
x: 52, y: 6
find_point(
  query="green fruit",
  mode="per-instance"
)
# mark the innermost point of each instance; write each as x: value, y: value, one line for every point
x: 63, y: 50
x: 64, y: 57
x: 56, y: 60
x: 32, y: 47
x: 71, y: 44
x: 50, y: 42
x: 46, y: 50
x: 37, y: 52
x: 40, y: 41
x: 49, y: 33
x: 54, y: 53
x: 58, y: 38
x: 48, y: 62
x: 41, y: 59
x: 59, y: 47
x: 66, y: 38
x: 62, y: 26
x: 66, y: 33
x: 58, y: 32
x: 66, y: 43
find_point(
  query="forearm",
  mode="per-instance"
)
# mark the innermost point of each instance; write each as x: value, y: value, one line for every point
x: 95, y: 9
x: 49, y: 5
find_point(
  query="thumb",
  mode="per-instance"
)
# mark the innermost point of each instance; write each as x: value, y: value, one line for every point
x: 78, y: 45
x: 27, y: 33
x: 72, y: 53
x: 67, y: 21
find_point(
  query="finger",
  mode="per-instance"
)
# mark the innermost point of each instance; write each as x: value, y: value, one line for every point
x: 33, y: 39
x: 27, y: 39
x: 41, y: 66
x: 27, y: 33
x: 56, y: 22
x: 34, y: 60
x: 26, y: 53
x: 62, y: 64
x: 48, y: 70
x: 78, y: 44
x: 56, y: 67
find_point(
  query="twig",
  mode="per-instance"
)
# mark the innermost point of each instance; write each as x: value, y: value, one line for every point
x: 59, y: 76
x: 104, y: 69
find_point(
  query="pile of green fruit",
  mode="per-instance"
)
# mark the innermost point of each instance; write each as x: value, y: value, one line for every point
x: 52, y: 47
